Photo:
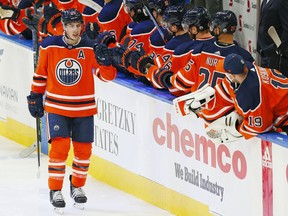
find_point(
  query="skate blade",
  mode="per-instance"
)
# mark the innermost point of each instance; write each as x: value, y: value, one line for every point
x: 59, y: 211
x: 80, y: 206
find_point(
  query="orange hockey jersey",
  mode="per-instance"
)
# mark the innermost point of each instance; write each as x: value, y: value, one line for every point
x: 262, y: 99
x: 65, y: 73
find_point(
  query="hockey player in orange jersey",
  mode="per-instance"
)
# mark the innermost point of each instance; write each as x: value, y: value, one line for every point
x: 260, y: 97
x: 195, y: 22
x: 65, y: 73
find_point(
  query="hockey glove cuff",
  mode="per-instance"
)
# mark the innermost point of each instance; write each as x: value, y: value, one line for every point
x: 162, y: 77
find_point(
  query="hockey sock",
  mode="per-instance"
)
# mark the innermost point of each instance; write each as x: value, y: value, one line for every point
x: 81, y: 162
x: 57, y: 162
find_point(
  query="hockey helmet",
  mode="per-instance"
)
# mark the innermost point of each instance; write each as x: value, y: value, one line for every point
x: 158, y: 6
x: 71, y: 15
x: 137, y: 7
x: 226, y: 20
x: 232, y: 64
x: 173, y: 15
x: 198, y: 17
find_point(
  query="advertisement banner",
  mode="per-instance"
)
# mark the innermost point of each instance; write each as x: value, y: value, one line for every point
x: 146, y: 136
x: 16, y: 71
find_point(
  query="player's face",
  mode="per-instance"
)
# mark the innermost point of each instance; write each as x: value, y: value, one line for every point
x: 193, y: 31
x: 73, y: 30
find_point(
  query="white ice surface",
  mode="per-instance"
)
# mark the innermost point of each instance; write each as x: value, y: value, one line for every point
x: 23, y: 194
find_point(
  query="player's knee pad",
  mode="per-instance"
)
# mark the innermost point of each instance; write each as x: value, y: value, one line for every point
x: 82, y: 151
x: 60, y: 147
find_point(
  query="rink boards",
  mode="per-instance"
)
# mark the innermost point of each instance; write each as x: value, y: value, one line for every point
x: 142, y: 147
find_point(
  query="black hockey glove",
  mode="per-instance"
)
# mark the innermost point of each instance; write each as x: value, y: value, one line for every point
x: 35, y: 104
x: 121, y: 56
x: 117, y: 53
x: 51, y: 14
x: 162, y: 78
x: 9, y: 12
x: 92, y: 30
x: 49, y: 11
x: 102, y: 54
x: 140, y: 61
x: 31, y: 21
x: 105, y: 38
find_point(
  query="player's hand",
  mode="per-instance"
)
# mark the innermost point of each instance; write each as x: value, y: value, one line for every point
x: 102, y: 54
x: 49, y: 11
x: 105, y: 38
x: 117, y: 53
x: 121, y: 56
x: 92, y: 30
x: 139, y: 61
x: 52, y: 15
x: 162, y: 78
x: 224, y: 129
x: 35, y: 104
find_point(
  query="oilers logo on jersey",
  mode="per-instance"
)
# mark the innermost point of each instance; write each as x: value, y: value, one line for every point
x: 68, y: 72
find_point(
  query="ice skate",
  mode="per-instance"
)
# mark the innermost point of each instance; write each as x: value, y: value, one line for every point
x: 78, y: 196
x: 57, y: 200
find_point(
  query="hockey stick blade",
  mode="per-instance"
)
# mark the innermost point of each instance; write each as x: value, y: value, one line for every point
x: 28, y: 151
x: 91, y: 4
x: 274, y: 35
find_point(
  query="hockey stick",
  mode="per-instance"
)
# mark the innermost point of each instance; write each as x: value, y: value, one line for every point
x: 276, y: 39
x: 28, y: 151
x: 146, y: 7
x: 38, y: 140
x: 274, y: 35
x: 35, y: 58
x: 91, y: 4
x: 34, y: 146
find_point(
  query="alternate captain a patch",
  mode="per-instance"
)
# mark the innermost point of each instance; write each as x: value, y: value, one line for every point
x: 68, y: 72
